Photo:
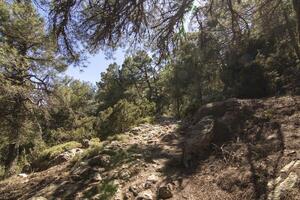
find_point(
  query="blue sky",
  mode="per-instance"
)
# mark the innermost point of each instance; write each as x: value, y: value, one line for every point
x: 96, y: 64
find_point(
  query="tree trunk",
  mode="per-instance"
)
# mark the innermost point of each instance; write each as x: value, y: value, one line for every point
x: 12, y: 159
x: 292, y: 35
x: 296, y: 4
x: 14, y: 146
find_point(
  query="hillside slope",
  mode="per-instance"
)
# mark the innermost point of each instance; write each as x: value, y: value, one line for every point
x: 235, y: 149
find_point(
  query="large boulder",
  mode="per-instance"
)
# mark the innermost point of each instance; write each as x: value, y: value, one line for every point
x: 198, y: 140
x: 214, y: 123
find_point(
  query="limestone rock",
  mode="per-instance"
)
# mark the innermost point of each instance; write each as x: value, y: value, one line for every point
x: 23, y: 175
x: 38, y: 198
x: 153, y: 178
x: 288, y: 180
x: 145, y: 195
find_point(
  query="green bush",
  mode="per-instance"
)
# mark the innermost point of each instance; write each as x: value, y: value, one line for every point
x: 54, y: 151
x: 122, y: 116
x: 105, y: 191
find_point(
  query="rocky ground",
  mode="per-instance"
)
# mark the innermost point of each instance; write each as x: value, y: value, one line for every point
x: 235, y: 149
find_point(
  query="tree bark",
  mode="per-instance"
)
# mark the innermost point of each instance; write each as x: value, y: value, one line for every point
x: 14, y: 146
x: 296, y: 5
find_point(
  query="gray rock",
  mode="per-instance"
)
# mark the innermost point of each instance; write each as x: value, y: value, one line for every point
x: 134, y: 190
x: 23, y: 175
x: 66, y: 156
x: 27, y: 169
x: 97, y: 177
x: 74, y: 152
x: 86, y: 143
x: 145, y: 195
x: 100, y: 160
x: 61, y: 158
x: 288, y: 180
x: 38, y: 198
x: 165, y: 192
x: 198, y: 139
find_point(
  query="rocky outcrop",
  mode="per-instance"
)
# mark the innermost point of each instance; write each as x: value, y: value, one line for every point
x: 288, y: 181
x: 214, y: 123
x: 64, y: 157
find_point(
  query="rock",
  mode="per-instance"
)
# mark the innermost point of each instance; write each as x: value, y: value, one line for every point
x: 145, y: 195
x: 27, y: 169
x: 23, y: 175
x: 288, y: 180
x: 165, y: 192
x: 61, y: 158
x: 152, y: 179
x: 284, y: 187
x: 97, y: 177
x: 198, y: 139
x: 291, y: 166
x: 134, y: 189
x: 135, y: 130
x: 128, y: 196
x: 86, y: 143
x: 74, y: 152
x: 124, y: 174
x: 66, y: 156
x: 100, y: 160
x: 37, y: 198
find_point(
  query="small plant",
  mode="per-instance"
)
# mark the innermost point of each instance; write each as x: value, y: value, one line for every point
x: 42, y: 160
x: 105, y: 191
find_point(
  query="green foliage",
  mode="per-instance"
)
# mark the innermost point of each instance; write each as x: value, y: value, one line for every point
x: 104, y: 191
x: 54, y: 151
x: 122, y: 116
x: 28, y: 63
x: 70, y: 112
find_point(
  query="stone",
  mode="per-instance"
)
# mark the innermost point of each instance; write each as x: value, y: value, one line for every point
x: 61, y: 158
x: 74, y: 152
x: 165, y: 192
x: 198, y: 140
x: 86, y: 143
x: 66, y: 156
x: 284, y: 187
x: 135, y: 130
x: 145, y: 195
x: 134, y: 190
x: 292, y: 165
x: 23, y: 175
x: 27, y: 169
x: 97, y: 177
x: 100, y: 160
x: 286, y: 182
x: 38, y: 198
x: 124, y: 174
x: 152, y: 178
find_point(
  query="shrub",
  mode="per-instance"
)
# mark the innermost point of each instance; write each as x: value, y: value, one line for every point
x: 122, y: 116
x: 50, y: 153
